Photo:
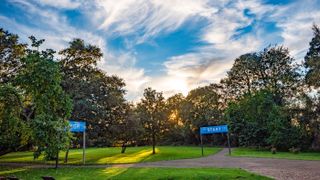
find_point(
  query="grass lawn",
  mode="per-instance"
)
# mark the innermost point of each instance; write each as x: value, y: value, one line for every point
x: 112, y: 155
x: 250, y: 152
x: 130, y: 173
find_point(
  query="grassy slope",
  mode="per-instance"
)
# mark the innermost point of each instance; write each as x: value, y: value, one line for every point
x: 130, y: 173
x: 248, y: 152
x: 113, y: 155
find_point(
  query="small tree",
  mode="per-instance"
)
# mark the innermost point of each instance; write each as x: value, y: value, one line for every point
x: 128, y: 128
x: 152, y: 113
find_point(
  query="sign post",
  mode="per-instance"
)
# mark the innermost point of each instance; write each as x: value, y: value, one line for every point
x: 214, y: 130
x: 201, y: 145
x: 78, y: 126
x: 84, y: 147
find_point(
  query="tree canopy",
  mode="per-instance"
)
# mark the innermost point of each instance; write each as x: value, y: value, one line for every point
x: 266, y: 98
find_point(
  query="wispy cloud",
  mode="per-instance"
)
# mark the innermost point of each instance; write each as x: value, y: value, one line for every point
x: 61, y: 4
x: 226, y: 29
x: 147, y: 19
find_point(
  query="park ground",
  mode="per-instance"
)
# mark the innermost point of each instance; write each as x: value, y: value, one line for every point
x: 169, y: 163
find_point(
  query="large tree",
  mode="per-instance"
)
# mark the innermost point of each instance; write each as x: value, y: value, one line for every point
x: 258, y: 120
x: 98, y: 99
x: 11, y: 51
x: 312, y: 59
x: 278, y: 73
x: 272, y: 68
x: 201, y: 107
x: 152, y: 113
x: 242, y: 78
x: 40, y: 79
x: 311, y: 110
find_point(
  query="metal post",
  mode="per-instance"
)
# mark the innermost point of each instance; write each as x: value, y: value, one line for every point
x: 201, y: 145
x: 84, y: 147
x: 229, y: 143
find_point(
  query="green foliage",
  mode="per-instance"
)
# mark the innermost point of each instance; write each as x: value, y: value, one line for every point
x: 242, y: 78
x: 271, y: 69
x: 40, y: 79
x: 10, y: 53
x: 15, y: 133
x: 127, y: 130
x: 178, y: 133
x: 97, y: 98
x: 258, y: 121
x: 312, y: 59
x: 152, y: 113
x: 202, y: 107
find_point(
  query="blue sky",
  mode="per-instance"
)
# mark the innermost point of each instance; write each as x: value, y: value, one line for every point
x: 170, y: 45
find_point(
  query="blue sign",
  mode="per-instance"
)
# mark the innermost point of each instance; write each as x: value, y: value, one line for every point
x: 77, y: 126
x: 214, y: 129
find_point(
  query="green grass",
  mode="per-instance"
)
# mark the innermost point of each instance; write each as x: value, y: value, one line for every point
x: 112, y: 155
x: 130, y: 173
x: 250, y: 152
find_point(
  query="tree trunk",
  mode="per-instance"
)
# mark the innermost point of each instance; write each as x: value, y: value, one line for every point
x: 57, y: 160
x: 316, y: 141
x: 124, y: 147
x: 153, y: 143
x: 66, y: 157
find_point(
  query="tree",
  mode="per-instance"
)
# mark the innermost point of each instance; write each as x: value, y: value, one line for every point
x: 242, y: 78
x: 152, y: 113
x: 177, y: 133
x: 127, y: 129
x: 15, y: 132
x: 278, y: 74
x: 271, y: 69
x: 311, y: 99
x: 40, y: 79
x: 258, y: 120
x: 202, y: 107
x: 98, y: 99
x: 11, y: 51
x: 312, y: 59
x: 306, y: 111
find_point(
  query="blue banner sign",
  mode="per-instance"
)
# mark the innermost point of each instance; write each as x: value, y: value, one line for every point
x: 77, y: 126
x: 214, y: 129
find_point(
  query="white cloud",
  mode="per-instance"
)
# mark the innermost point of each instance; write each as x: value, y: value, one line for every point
x: 296, y: 21
x: 144, y: 20
x: 210, y: 63
x: 122, y: 65
x: 54, y: 28
x: 65, y: 4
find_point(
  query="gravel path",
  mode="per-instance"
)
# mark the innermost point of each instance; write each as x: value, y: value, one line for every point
x: 276, y: 168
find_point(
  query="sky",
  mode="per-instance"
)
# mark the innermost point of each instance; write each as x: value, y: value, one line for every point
x: 172, y: 46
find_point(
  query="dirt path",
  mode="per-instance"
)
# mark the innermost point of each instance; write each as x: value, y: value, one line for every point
x: 276, y: 168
